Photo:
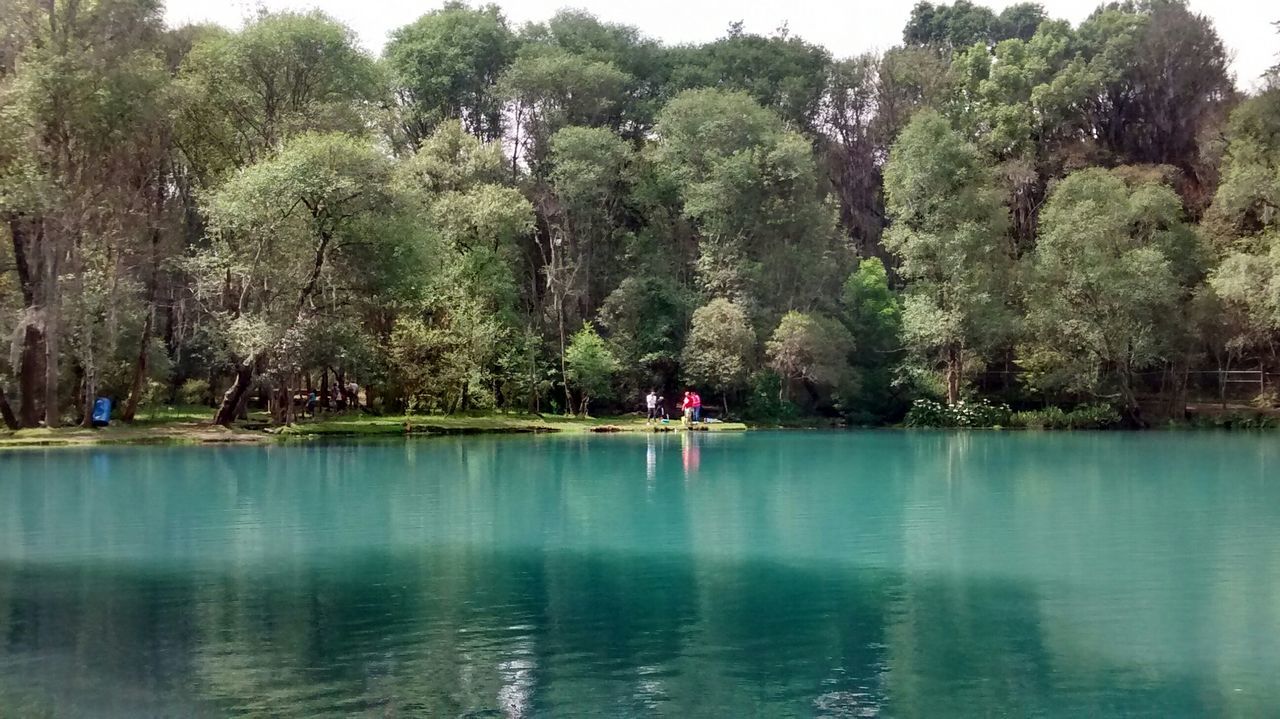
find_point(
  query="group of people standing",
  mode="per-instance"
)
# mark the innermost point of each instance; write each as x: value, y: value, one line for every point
x: 690, y: 407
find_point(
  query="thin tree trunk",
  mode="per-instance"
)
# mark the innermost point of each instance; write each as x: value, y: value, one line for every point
x: 52, y: 335
x: 1222, y: 383
x: 139, y: 370
x: 564, y: 371
x: 324, y: 388
x: 90, y: 392
x: 52, y: 418
x: 6, y: 412
x: 953, y: 374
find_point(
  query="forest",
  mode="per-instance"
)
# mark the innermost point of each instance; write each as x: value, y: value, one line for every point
x: 556, y: 218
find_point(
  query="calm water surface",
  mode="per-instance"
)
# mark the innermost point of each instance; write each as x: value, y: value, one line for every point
x: 790, y: 574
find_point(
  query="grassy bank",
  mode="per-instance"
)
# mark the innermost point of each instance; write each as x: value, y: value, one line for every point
x: 190, y: 425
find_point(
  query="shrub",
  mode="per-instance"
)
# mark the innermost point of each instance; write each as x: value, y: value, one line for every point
x: 1092, y: 416
x: 194, y: 391
x: 982, y: 413
x: 764, y: 403
x: 1236, y: 420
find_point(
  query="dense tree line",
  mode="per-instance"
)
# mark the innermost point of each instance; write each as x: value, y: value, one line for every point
x: 559, y: 216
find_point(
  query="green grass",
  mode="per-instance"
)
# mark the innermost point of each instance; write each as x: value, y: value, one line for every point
x: 361, y: 424
x: 170, y: 415
x: 190, y: 425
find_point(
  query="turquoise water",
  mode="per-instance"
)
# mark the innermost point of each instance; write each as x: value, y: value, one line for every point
x: 759, y: 574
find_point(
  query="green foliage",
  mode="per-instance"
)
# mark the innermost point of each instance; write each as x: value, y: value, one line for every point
x: 553, y: 89
x: 812, y: 349
x: 961, y: 414
x: 765, y: 402
x: 1093, y: 416
x: 873, y: 314
x: 194, y: 392
x: 720, y: 348
x: 950, y: 233
x: 645, y: 318
x: 286, y: 73
x: 268, y: 203
x: 1106, y: 285
x: 1236, y: 421
x: 750, y: 187
x: 450, y: 160
x: 442, y: 366
x: 872, y: 311
x: 963, y: 23
x: 590, y: 366
x: 785, y: 74
x: 446, y: 65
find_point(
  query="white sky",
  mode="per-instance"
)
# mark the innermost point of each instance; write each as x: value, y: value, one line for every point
x: 845, y: 27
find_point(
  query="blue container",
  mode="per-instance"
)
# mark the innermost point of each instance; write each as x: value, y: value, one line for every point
x: 102, y: 412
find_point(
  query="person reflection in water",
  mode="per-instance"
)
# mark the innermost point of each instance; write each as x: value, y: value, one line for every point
x: 651, y: 460
x: 689, y: 452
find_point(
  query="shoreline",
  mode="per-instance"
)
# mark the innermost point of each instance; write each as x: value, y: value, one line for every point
x: 171, y: 427
x: 351, y: 426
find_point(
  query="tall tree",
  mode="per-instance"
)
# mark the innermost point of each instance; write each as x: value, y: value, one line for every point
x: 1163, y: 77
x: 766, y: 237
x: 1244, y: 225
x: 285, y: 73
x: 950, y: 233
x: 83, y: 98
x: 1113, y: 266
x: 812, y: 349
x: 284, y: 231
x: 720, y: 349
x: 446, y: 65
x: 551, y: 88
x: 783, y: 73
x: 590, y: 367
x: 873, y: 313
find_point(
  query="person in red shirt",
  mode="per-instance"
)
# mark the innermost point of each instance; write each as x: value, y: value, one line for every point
x: 686, y: 408
x: 697, y: 406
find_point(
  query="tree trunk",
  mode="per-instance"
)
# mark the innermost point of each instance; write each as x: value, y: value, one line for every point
x: 340, y: 379
x: 139, y: 370
x: 273, y: 404
x: 236, y: 397
x: 52, y: 338
x: 30, y: 363
x: 6, y: 412
x: 242, y: 408
x: 31, y: 377
x: 52, y: 418
x: 90, y: 392
x: 324, y: 388
x: 564, y: 371
x: 953, y: 374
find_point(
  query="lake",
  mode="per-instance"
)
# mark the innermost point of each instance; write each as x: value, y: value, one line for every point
x: 769, y: 574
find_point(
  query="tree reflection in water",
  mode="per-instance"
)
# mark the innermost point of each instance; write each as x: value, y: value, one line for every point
x: 801, y: 574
